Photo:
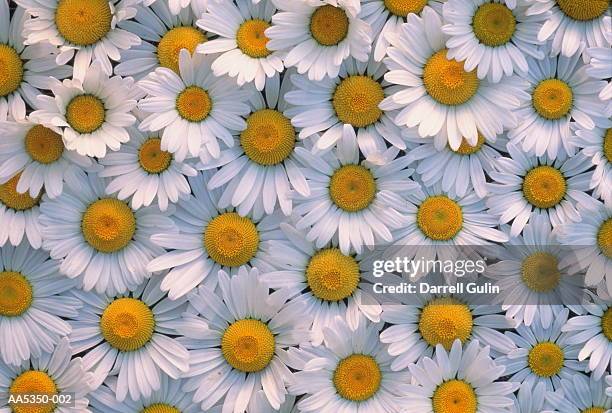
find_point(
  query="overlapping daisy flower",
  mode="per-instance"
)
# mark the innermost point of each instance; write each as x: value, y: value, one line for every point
x: 202, y: 200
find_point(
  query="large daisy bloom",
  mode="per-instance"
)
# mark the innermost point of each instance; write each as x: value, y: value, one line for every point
x: 438, y: 94
x: 317, y: 36
x: 351, y: 371
x: 580, y: 395
x: 99, y: 239
x: 242, y: 41
x: 19, y: 214
x: 239, y: 336
x: 597, y: 145
x: 491, y: 37
x: 194, y: 108
x: 90, y: 115
x: 33, y: 302
x: 128, y: 335
x: 600, y: 67
x: 62, y: 23
x: 24, y: 69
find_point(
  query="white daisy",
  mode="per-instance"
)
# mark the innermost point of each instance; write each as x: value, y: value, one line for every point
x: 597, y: 145
x: 580, y: 395
x: 24, y: 69
x: 144, y: 172
x: 178, y: 6
x: 194, y: 108
x: 600, y: 67
x: 90, y: 115
x: 237, y: 340
x: 128, y: 336
x: 317, y: 36
x: 99, y: 239
x: 438, y: 94
x: 19, y: 213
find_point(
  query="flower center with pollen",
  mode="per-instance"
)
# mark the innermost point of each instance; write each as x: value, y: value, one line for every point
x: 604, y: 238
x: 13, y: 199
x: 251, y: 38
x: 160, y: 408
x: 176, y: 39
x: 583, y: 10
x: 357, y: 377
x: 446, y: 80
x: 606, y: 324
x: 127, y: 324
x: 231, y: 240
x: 108, y: 225
x: 595, y: 410
x: 83, y: 22
x: 466, y: 149
x: 356, y: 101
x: 443, y: 320
x: 544, y: 186
x: 11, y: 70
x: 403, y: 8
x: 248, y: 345
x: 28, y: 383
x: 352, y: 188
x: 540, y: 272
x: 454, y: 396
x: 439, y: 218
x: 152, y: 158
x: 329, y: 25
x: 269, y: 137
x: 494, y: 24
x: 546, y: 359
x: 607, y: 145
x: 15, y: 294
x: 331, y: 275
x: 85, y: 113
x: 43, y: 145
x: 552, y: 99
x: 193, y: 104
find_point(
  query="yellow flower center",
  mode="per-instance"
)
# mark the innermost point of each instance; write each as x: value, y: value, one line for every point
x: 544, y: 186
x: 584, y: 10
x: 443, y: 320
x: 607, y: 146
x: 606, y: 323
x: 231, y: 240
x: 440, y: 218
x: 329, y: 25
x: 43, y: 145
x: 357, y: 377
x: 11, y: 70
x: 494, y: 24
x: 546, y: 359
x: 83, y: 22
x: 160, y: 408
x: 85, y: 113
x: 127, y: 324
x: 32, y: 382
x: 269, y: 137
x: 251, y: 38
x: 15, y: 294
x: 446, y: 80
x: 540, y: 272
x: 352, y: 188
x: 13, y: 199
x: 454, y: 396
x: 466, y: 149
x: 403, y: 8
x: 595, y: 410
x: 248, y: 345
x: 356, y: 101
x: 552, y: 99
x: 331, y: 275
x: 193, y: 104
x: 171, y: 43
x: 151, y: 157
x: 108, y: 225
x: 604, y: 238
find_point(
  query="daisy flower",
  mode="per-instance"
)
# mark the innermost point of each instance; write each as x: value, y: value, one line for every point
x: 600, y: 67
x: 19, y: 214
x: 580, y: 395
x: 350, y: 371
x: 144, y: 172
x: 32, y: 303
x: 99, y: 239
x: 317, y: 36
x: 263, y: 158
x: 492, y: 37
x: 597, y: 145
x: 128, y: 336
x: 61, y: 23
x: 210, y: 239
x: 438, y: 94
x: 194, y: 108
x: 237, y: 340
x: 559, y: 90
x: 525, y: 185
x: 90, y: 115
x: 51, y: 374
x: 24, y: 69
x: 461, y: 380
x: 242, y: 41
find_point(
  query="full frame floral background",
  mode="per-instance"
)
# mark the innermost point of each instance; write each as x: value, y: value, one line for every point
x: 190, y: 190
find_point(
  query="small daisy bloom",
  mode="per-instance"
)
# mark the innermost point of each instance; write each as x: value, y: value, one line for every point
x: 99, y: 239
x: 90, y: 115
x: 600, y: 67
x: 597, y: 145
x: 580, y: 395
x: 19, y: 214
x: 237, y: 340
x: 317, y: 36
x: 194, y: 108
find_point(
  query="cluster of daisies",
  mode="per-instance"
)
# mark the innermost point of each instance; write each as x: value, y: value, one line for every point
x: 190, y: 192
